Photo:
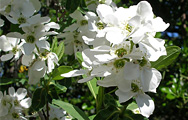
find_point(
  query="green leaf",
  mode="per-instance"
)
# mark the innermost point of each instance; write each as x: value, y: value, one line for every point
x: 59, y: 88
x: 92, y: 84
x: 132, y: 106
x: 129, y: 115
x: 56, y: 74
x: 72, y: 5
x: 38, y: 99
x: 166, y: 90
x: 109, y: 100
x: 79, y: 57
x: 60, y: 50
x: 7, y: 81
x: 83, y: 5
x: 172, y: 53
x: 54, y: 45
x: 107, y: 113
x: 170, y: 96
x: 74, y: 111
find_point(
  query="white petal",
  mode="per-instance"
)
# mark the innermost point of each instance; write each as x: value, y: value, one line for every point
x: 6, y: 57
x: 124, y: 96
x: 52, y: 25
x: 21, y: 93
x: 145, y: 104
x: 159, y: 25
x: 28, y: 48
x: 26, y: 103
x: 28, y: 9
x: 36, y: 4
x: 108, y: 81
x: 39, y: 65
x: 145, y: 10
x: 27, y: 60
x: 74, y: 73
x: 11, y: 91
x: 85, y: 79
x: 150, y: 79
x: 131, y: 71
x: 43, y: 44
x: 4, y: 43
x: 103, y: 10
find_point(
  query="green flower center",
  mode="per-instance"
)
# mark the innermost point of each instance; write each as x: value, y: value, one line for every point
x: 134, y: 87
x: 15, y: 115
x: 30, y: 39
x: 128, y: 28
x: 83, y: 22
x: 16, y: 103
x: 100, y: 25
x: 8, y: 9
x: 14, y: 50
x: 142, y: 62
x: 119, y: 63
x: 4, y: 102
x: 21, y: 20
x: 121, y: 52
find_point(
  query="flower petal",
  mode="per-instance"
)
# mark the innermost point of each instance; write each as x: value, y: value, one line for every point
x: 21, y: 93
x: 145, y: 104
x: 26, y: 103
x: 6, y: 57
x: 124, y: 96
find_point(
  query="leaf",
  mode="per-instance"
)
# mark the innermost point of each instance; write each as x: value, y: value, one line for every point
x: 172, y: 53
x: 54, y: 45
x: 79, y: 57
x: 7, y: 81
x: 60, y: 50
x: 166, y: 90
x: 74, y: 111
x: 38, y: 99
x: 56, y: 74
x: 107, y: 113
x: 83, y: 5
x: 132, y: 106
x: 59, y: 88
x: 72, y: 5
x: 109, y: 100
x: 92, y: 84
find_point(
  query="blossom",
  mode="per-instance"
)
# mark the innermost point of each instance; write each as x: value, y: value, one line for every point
x: 13, y: 104
x: 40, y: 65
x: 12, y: 46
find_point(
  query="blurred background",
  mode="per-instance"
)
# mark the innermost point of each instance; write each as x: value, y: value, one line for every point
x: 171, y: 100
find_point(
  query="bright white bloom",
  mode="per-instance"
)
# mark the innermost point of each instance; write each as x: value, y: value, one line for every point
x: 13, y: 104
x: 5, y: 104
x: 38, y: 67
x: 12, y: 46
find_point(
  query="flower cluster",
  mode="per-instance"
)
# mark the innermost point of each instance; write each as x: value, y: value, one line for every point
x: 13, y: 105
x: 32, y: 44
x: 120, y: 44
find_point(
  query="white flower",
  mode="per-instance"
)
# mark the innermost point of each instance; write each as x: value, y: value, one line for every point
x: 11, y: 45
x: 19, y: 99
x: 5, y: 104
x: 38, y: 67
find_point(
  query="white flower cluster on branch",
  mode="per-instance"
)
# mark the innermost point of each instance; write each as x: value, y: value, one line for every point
x: 121, y: 44
x: 32, y: 44
x: 13, y: 105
